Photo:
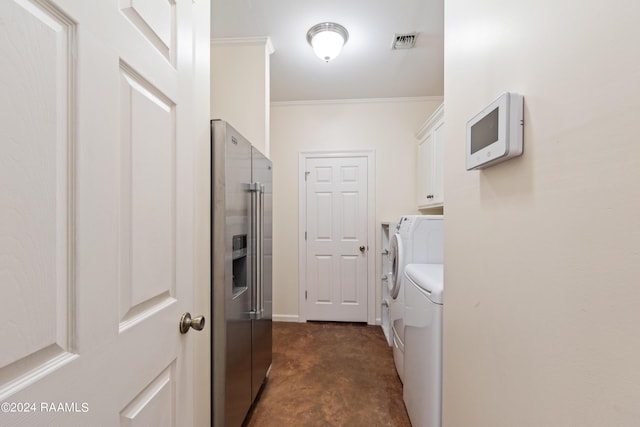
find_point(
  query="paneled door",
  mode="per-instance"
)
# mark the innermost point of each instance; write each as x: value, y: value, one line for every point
x: 336, y: 239
x: 96, y: 211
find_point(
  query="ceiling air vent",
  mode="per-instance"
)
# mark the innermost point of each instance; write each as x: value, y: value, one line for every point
x: 404, y: 41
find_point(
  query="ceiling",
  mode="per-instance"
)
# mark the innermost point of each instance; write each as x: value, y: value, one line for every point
x: 367, y: 66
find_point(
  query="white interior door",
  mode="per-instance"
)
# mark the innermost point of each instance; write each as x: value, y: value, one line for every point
x: 336, y: 239
x: 96, y: 212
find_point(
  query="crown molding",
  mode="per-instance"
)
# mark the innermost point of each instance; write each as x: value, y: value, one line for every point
x: 431, y: 120
x: 358, y: 101
x: 245, y: 41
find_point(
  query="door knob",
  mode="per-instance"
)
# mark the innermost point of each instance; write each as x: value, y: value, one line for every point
x: 362, y: 249
x: 187, y: 322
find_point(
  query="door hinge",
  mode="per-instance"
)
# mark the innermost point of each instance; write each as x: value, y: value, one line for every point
x: 306, y: 174
x: 305, y: 235
x: 305, y: 294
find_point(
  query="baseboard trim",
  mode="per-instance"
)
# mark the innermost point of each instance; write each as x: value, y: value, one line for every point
x: 296, y: 319
x: 285, y: 318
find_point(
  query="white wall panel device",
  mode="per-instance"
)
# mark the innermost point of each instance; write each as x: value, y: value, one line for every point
x: 495, y: 133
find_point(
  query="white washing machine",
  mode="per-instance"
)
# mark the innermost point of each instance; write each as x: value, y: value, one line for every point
x: 418, y: 239
x: 422, y: 389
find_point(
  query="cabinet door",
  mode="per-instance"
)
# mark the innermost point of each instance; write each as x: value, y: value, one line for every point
x: 437, y: 184
x: 429, y: 169
x: 424, y: 171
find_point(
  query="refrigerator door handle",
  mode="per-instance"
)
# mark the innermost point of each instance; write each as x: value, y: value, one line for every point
x: 261, y: 252
x: 254, y: 189
x: 257, y: 227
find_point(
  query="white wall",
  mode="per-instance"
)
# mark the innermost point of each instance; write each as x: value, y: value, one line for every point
x: 386, y: 126
x: 240, y: 91
x: 542, y: 253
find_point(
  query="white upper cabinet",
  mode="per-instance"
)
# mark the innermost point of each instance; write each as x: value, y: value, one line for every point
x: 429, y: 170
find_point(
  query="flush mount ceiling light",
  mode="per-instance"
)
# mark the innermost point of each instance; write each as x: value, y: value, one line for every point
x: 327, y: 39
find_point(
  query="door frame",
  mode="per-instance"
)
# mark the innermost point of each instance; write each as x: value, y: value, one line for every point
x: 202, y: 356
x: 371, y: 221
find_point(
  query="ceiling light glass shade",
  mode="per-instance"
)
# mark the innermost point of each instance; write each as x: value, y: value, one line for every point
x: 327, y: 39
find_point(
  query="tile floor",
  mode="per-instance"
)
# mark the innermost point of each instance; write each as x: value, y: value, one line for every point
x: 330, y: 374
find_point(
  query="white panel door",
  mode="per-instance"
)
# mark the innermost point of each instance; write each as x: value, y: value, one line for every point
x: 336, y: 245
x: 96, y: 212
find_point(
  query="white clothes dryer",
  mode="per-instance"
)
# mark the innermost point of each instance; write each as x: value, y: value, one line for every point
x: 418, y: 239
x: 422, y: 390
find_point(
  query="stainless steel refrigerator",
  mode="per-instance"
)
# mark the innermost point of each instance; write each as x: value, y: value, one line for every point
x: 241, y: 258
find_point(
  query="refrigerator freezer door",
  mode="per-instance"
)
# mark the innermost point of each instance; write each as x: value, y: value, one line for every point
x: 231, y: 273
x: 238, y: 287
